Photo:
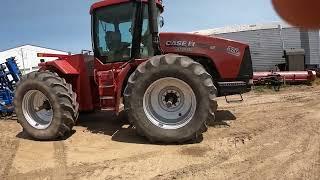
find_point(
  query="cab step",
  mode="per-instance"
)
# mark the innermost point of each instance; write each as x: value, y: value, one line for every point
x: 233, y: 87
x: 108, y: 109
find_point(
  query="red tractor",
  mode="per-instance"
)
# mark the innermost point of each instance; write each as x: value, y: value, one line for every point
x: 166, y: 83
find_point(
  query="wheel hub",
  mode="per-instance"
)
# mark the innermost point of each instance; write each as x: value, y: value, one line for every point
x: 169, y: 103
x: 45, y: 105
x: 37, y: 109
x: 171, y: 99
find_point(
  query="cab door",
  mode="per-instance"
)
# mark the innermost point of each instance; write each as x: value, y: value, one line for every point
x: 121, y: 34
x: 112, y: 37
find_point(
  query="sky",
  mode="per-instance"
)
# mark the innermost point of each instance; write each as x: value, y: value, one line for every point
x: 65, y: 24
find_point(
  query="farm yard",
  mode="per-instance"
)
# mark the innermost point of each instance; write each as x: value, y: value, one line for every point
x: 270, y: 134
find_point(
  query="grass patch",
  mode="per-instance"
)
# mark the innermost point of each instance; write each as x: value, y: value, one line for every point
x: 263, y: 89
x: 260, y: 89
x: 270, y: 89
x: 316, y: 82
x: 288, y: 87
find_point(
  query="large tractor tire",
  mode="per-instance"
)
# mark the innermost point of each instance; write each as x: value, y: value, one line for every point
x: 45, y: 105
x: 170, y: 98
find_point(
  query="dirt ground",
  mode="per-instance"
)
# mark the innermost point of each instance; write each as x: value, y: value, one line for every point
x: 268, y: 136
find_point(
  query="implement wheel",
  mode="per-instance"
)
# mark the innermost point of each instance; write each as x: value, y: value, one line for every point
x: 170, y: 98
x: 45, y: 105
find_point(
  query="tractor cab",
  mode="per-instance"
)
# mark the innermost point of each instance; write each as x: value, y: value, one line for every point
x: 121, y: 31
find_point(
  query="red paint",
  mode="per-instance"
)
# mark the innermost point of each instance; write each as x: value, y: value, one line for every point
x: 110, y: 78
x: 107, y: 80
x: 115, y: 2
x: 64, y: 66
x: 288, y: 76
x: 74, y: 70
x: 216, y: 49
x: 60, y: 56
x: 107, y: 87
x: 120, y: 83
x: 99, y: 86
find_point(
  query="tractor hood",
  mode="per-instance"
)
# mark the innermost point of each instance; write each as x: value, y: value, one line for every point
x: 199, y: 45
x: 231, y: 58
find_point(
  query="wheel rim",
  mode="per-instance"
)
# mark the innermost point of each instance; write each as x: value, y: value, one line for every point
x: 169, y: 103
x: 37, y: 109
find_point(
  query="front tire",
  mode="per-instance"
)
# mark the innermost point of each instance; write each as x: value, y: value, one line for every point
x: 45, y: 105
x: 170, y: 98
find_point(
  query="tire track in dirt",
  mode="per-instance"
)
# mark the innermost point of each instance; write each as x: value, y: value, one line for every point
x: 257, y: 157
x: 204, y: 168
x: 13, y: 147
x: 191, y: 170
x: 288, y: 125
x: 89, y: 169
x: 282, y: 140
x: 316, y: 164
x: 302, y: 138
x: 297, y: 156
x: 314, y: 171
x: 304, y: 133
x: 60, y: 172
x: 75, y: 172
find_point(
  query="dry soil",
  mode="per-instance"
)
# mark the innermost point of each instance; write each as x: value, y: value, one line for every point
x: 268, y: 136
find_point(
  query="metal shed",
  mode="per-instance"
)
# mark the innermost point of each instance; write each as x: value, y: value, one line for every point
x: 291, y: 37
x: 26, y: 56
x: 310, y: 42
x: 268, y: 42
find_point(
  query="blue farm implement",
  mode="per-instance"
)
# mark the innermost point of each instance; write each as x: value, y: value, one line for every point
x: 9, y: 76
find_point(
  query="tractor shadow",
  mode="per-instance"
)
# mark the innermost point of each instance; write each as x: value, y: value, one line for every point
x: 24, y: 135
x: 117, y: 128
x: 101, y: 123
x: 222, y: 119
x: 110, y: 125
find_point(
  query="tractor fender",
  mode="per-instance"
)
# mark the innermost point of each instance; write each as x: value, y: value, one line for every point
x: 61, y: 65
x: 76, y: 71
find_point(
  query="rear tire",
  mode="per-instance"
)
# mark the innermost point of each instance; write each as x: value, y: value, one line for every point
x: 170, y: 98
x: 45, y: 105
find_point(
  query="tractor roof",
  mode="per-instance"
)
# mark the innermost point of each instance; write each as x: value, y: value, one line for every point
x: 115, y: 2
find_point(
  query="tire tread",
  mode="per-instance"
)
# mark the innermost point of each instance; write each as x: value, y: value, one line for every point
x: 66, y: 97
x: 184, y: 62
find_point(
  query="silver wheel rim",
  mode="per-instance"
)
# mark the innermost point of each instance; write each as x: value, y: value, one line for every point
x: 37, y: 109
x: 169, y: 103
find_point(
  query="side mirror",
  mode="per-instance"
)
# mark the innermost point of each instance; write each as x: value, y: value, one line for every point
x: 161, y: 21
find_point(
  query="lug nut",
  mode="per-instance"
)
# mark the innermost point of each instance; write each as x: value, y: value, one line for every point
x: 169, y: 104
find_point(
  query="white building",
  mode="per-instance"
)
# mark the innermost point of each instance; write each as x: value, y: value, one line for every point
x: 268, y: 42
x: 26, y: 56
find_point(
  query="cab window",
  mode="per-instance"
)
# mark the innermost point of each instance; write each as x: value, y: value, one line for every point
x: 113, y: 34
